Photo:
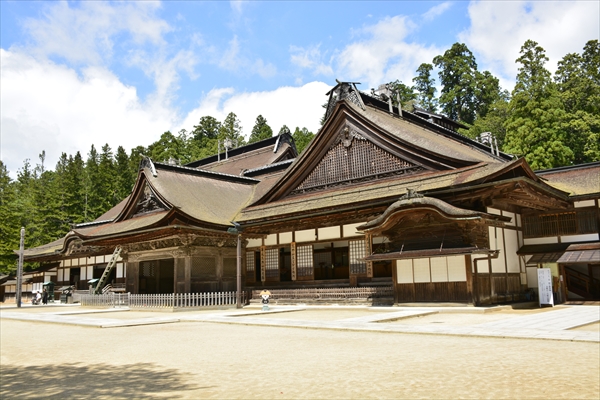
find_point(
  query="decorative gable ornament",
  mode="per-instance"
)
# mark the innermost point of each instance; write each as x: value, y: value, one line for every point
x: 353, y: 159
x: 343, y: 91
x: 148, y: 202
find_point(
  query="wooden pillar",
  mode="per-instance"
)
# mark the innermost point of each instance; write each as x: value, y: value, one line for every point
x: 188, y: 274
x: 368, y: 252
x: 395, y: 279
x: 179, y: 264
x: 470, y: 282
x: 133, y: 277
x: 263, y: 264
x: 294, y: 260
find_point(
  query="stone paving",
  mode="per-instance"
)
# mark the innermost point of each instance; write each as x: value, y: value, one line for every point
x: 555, y: 324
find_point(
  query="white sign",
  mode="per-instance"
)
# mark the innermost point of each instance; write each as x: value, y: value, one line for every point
x: 545, y: 286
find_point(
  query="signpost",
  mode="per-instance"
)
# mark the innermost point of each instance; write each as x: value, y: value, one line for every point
x: 545, y: 286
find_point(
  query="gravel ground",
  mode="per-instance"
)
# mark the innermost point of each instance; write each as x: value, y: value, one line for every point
x: 207, y: 360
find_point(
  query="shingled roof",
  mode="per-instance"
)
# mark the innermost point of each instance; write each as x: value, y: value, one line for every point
x: 580, y: 181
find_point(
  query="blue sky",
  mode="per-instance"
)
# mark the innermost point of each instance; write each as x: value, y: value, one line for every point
x: 82, y: 73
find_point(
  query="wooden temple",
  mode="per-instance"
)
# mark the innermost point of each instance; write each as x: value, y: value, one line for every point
x: 381, y: 197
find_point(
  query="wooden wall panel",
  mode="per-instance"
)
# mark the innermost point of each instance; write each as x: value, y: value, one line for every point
x: 433, y: 292
x: 405, y: 292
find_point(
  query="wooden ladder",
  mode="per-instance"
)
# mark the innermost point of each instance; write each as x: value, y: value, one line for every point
x: 109, y: 267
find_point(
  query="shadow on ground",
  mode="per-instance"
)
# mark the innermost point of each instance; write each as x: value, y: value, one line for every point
x: 68, y: 381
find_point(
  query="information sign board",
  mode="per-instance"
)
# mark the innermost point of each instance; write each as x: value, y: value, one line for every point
x: 545, y: 286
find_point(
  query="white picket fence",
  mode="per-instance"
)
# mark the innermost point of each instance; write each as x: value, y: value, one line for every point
x: 172, y: 300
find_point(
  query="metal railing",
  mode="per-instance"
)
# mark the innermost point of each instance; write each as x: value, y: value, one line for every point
x: 172, y: 300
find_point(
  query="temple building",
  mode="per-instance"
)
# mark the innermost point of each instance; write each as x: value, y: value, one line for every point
x: 380, y: 198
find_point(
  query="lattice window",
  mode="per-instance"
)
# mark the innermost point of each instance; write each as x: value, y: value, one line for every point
x: 360, y: 160
x: 203, y: 267
x: 567, y: 223
x: 148, y: 269
x: 272, y: 263
x: 357, y: 250
x: 250, y: 261
x: 304, y: 256
x: 229, y: 267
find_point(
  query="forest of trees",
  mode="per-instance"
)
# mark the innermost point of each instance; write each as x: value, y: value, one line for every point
x: 550, y: 120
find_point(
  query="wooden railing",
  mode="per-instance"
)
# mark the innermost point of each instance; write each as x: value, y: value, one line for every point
x: 329, y: 293
x: 172, y: 300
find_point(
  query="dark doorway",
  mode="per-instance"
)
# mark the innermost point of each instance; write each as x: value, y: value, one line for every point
x: 157, y: 276
x: 382, y: 269
x: 285, y: 264
x: 257, y: 273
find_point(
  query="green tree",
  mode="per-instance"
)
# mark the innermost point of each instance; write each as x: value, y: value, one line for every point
x: 425, y: 87
x: 494, y: 122
x: 533, y: 129
x: 260, y: 131
x: 124, y: 179
x: 302, y: 138
x: 166, y: 148
x: 93, y: 194
x: 107, y: 180
x: 578, y: 80
x: 231, y: 130
x: 135, y: 157
x: 208, y: 128
x: 487, y: 92
x: 9, y: 222
x: 76, y: 189
x: 458, y: 78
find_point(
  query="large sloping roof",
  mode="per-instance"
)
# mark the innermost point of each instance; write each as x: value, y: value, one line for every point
x: 427, y: 139
x: 209, y: 198
x: 427, y: 149
x: 237, y: 160
x: 579, y: 180
x: 383, y: 189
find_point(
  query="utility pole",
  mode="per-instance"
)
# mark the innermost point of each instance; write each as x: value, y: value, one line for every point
x: 20, y: 268
x: 238, y: 303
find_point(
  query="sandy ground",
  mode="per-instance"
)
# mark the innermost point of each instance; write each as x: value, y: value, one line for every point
x: 194, y: 360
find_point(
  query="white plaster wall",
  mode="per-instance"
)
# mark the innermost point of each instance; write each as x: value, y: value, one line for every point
x: 307, y: 235
x: 532, y: 280
x: 511, y: 240
x: 585, y: 203
x: 271, y: 240
x: 512, y: 217
x: 331, y: 232
x: 421, y: 270
x: 544, y: 240
x: 285, y: 238
x: 350, y: 230
x: 457, y: 271
x: 579, y: 238
x: 404, y: 271
x: 439, y: 269
x: 254, y: 243
x: 497, y: 243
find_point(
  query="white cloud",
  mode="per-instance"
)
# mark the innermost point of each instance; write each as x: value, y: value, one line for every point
x: 385, y: 54
x: 291, y: 106
x: 45, y: 106
x: 436, y: 11
x: 499, y: 29
x: 84, y: 33
x: 310, y: 58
